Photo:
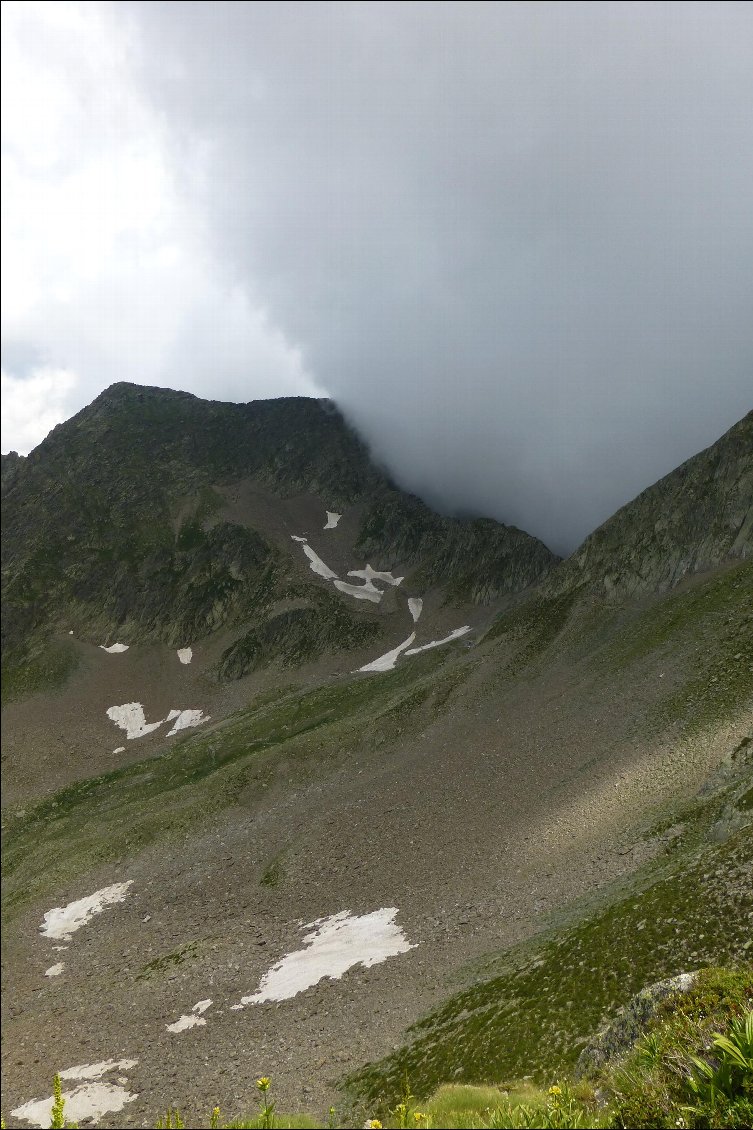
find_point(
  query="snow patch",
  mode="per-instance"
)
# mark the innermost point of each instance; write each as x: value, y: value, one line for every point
x: 387, y: 661
x: 370, y: 574
x: 336, y: 945
x: 332, y: 520
x: 317, y: 565
x: 97, y: 1070
x: 184, y: 719
x: 192, y: 1020
x: 415, y: 605
x: 185, y: 654
x: 115, y: 648
x: 131, y: 718
x: 62, y: 922
x: 119, y: 749
x: 55, y: 970
x: 90, y: 1100
x: 360, y: 592
x: 438, y: 643
x: 296, y: 538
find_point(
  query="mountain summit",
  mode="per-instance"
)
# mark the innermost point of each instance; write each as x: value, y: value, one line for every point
x: 692, y: 520
x: 167, y: 516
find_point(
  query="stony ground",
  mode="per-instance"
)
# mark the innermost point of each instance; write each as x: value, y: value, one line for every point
x: 526, y: 794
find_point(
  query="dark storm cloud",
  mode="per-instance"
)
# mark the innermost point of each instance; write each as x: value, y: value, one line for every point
x: 514, y: 241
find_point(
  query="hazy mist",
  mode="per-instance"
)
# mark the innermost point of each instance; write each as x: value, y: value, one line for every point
x: 512, y: 241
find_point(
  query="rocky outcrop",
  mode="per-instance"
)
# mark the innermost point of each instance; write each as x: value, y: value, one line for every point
x: 10, y: 465
x: 298, y: 635
x: 477, y: 559
x: 631, y: 1023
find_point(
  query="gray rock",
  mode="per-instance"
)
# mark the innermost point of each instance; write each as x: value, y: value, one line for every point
x: 631, y: 1022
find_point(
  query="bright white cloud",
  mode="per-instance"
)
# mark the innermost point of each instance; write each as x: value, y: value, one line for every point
x: 106, y: 274
x: 514, y: 239
x: 32, y: 407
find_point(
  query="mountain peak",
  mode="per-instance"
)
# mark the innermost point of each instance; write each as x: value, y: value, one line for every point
x: 694, y: 519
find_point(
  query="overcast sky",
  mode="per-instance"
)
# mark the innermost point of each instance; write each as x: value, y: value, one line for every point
x: 512, y: 241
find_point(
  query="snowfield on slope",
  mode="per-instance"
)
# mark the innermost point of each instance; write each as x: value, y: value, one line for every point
x: 336, y: 944
x: 366, y: 591
x: 61, y: 922
x: 370, y: 574
x: 438, y: 643
x: 387, y: 661
x: 131, y: 718
x: 89, y: 1101
x: 317, y: 565
x: 360, y: 592
x: 415, y: 605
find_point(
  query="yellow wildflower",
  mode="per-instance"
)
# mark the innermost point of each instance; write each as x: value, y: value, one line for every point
x: 555, y: 1090
x: 263, y: 1083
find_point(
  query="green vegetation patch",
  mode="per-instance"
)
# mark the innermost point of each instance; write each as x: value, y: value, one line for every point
x: 678, y: 1066
x: 714, y: 622
x: 273, y: 875
x: 722, y: 603
x: 48, y: 668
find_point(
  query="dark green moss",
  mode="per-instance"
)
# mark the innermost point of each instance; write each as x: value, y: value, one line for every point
x: 273, y: 875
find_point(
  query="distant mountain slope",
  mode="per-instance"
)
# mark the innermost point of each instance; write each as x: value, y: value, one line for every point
x: 694, y: 519
x: 112, y: 521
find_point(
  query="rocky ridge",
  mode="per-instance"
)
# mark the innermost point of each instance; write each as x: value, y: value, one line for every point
x: 692, y: 520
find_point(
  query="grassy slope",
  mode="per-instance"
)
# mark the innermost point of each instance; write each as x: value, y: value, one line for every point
x: 693, y: 907
x: 533, y: 1017
x: 110, y: 816
x: 527, y: 1011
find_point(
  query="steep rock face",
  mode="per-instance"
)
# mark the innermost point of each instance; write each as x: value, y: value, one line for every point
x: 10, y: 465
x: 96, y: 526
x: 478, y: 559
x: 695, y: 518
